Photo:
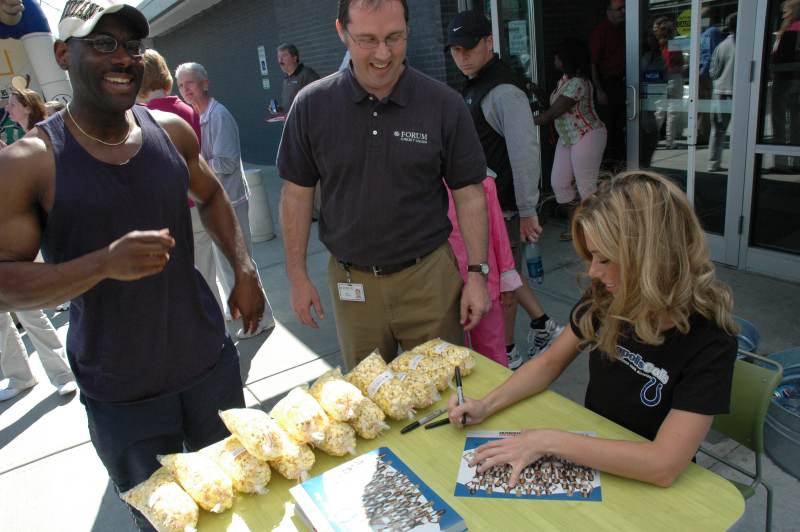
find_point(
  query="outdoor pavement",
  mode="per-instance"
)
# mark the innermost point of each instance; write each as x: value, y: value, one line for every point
x: 51, y: 479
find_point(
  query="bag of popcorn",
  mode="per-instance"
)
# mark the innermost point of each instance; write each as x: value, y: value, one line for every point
x: 374, y: 378
x: 454, y: 355
x: 370, y: 421
x: 301, y: 416
x: 164, y: 503
x: 340, y: 399
x: 435, y: 369
x: 248, y: 473
x: 202, y: 479
x: 257, y: 432
x: 340, y: 439
x: 421, y: 388
x: 296, y: 460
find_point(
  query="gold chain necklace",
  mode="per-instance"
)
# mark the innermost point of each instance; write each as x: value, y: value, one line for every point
x: 128, y: 134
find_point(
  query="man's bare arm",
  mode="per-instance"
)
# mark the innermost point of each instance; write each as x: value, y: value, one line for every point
x: 219, y: 219
x: 296, y: 207
x: 26, y: 177
x: 214, y: 207
x: 472, y: 219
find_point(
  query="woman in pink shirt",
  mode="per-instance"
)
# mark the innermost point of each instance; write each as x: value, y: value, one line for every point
x: 488, y: 338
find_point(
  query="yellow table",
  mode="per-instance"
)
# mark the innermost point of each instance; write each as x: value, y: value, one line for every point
x: 698, y: 500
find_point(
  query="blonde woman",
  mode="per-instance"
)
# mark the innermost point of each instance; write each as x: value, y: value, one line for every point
x: 660, y: 331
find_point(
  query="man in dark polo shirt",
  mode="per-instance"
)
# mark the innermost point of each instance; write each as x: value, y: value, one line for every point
x: 297, y: 75
x: 382, y: 139
x: 607, y: 44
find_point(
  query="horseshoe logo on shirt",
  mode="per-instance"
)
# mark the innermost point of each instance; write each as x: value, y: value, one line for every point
x: 656, y: 395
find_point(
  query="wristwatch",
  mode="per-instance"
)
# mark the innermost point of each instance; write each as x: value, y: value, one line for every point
x: 481, y: 268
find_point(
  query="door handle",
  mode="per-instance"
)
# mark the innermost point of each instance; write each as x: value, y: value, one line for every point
x: 635, y: 102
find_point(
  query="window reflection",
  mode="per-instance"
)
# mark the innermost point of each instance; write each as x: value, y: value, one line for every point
x: 776, y: 218
x: 780, y: 113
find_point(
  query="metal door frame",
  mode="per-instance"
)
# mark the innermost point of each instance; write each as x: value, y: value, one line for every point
x: 723, y: 248
x: 772, y: 263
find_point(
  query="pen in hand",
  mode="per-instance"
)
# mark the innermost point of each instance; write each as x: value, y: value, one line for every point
x: 460, y: 394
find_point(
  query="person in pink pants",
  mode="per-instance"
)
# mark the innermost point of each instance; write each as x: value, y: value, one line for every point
x: 488, y: 338
x: 582, y: 135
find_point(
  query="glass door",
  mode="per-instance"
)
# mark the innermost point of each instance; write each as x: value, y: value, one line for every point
x: 512, y: 31
x: 771, y: 236
x: 682, y: 85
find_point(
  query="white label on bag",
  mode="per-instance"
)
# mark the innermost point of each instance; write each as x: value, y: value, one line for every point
x: 439, y: 349
x: 236, y: 452
x: 379, y: 381
x: 415, y: 361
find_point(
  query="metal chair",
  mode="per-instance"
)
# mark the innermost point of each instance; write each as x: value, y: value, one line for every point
x: 751, y: 392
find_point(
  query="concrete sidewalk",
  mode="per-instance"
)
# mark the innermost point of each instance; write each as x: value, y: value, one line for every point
x: 51, y: 479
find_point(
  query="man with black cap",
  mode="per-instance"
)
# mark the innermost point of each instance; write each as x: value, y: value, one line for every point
x: 147, y: 341
x: 497, y: 100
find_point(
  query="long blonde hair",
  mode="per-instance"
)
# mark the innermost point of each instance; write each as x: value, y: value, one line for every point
x: 644, y: 223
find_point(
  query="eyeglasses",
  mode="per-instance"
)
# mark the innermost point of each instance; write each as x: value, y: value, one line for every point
x: 370, y: 43
x: 620, y: 9
x: 106, y: 44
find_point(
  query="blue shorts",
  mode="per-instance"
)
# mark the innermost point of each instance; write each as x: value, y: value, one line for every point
x: 128, y: 436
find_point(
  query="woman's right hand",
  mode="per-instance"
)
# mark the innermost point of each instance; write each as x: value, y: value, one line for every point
x: 475, y: 409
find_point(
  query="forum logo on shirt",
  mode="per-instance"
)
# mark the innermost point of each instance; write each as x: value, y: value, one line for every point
x: 656, y: 377
x: 412, y: 136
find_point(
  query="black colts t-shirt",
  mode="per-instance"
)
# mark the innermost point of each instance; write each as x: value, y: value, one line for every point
x: 690, y: 372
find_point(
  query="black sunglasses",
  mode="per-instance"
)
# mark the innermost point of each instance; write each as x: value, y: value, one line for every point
x: 108, y: 45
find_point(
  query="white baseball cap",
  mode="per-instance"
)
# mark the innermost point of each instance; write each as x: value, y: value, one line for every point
x: 81, y: 16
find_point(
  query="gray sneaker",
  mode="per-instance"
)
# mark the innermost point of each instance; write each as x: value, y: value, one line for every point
x: 515, y: 358
x: 539, y: 339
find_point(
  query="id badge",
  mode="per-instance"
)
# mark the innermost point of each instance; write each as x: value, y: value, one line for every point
x: 351, y: 292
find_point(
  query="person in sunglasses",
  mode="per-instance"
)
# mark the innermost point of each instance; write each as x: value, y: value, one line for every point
x: 101, y: 186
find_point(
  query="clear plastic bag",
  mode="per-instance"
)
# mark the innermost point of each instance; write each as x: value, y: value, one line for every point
x: 202, y: 479
x: 370, y: 421
x: 296, y: 460
x: 257, y: 432
x: 340, y: 439
x: 374, y: 378
x: 301, y: 416
x: 454, y: 355
x: 248, y: 473
x: 340, y: 399
x: 436, y: 369
x: 421, y: 388
x: 164, y: 503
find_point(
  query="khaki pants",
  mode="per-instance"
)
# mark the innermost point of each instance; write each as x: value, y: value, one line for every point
x: 405, y: 308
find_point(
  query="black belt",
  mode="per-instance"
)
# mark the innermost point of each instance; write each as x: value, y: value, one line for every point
x: 380, y: 271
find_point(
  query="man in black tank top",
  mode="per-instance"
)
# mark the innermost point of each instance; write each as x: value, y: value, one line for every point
x: 146, y: 341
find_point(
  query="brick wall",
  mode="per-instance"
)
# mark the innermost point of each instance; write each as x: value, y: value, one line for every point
x: 225, y: 37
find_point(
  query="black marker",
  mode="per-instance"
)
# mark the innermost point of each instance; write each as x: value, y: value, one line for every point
x: 460, y: 394
x: 423, y: 420
x: 439, y: 423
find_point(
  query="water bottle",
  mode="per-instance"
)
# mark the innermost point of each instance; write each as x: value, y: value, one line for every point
x: 533, y: 259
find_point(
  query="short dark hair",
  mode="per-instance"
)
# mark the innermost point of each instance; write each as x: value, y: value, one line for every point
x: 292, y: 49
x: 730, y: 23
x: 344, y: 8
x: 575, y: 57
